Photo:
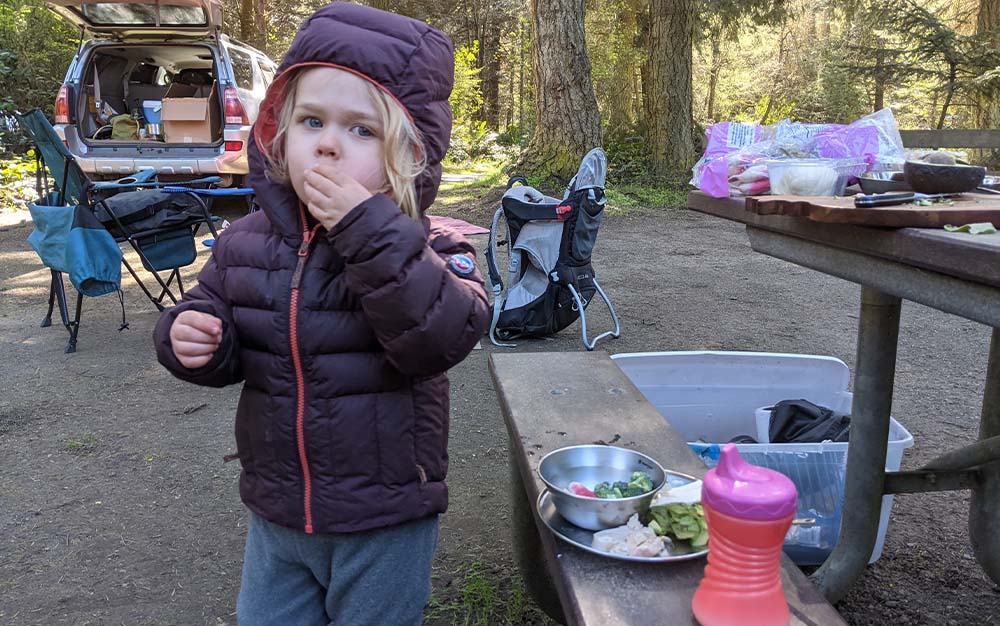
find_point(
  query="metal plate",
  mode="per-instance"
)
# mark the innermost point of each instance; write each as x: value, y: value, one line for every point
x: 583, y: 538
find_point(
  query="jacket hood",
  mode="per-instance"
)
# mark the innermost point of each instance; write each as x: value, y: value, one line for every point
x: 406, y: 58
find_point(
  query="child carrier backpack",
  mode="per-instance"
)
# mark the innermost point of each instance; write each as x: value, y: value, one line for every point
x: 550, y: 279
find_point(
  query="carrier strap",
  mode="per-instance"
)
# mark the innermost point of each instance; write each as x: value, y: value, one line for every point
x: 497, y: 306
x: 491, y: 252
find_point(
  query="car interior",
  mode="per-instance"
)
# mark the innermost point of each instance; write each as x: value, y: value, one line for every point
x: 132, y: 75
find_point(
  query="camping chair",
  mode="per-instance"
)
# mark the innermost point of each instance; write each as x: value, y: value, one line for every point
x: 159, y: 220
x: 549, y: 246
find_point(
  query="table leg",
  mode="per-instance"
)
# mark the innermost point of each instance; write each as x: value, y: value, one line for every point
x: 878, y: 331
x: 528, y: 547
x: 984, y: 509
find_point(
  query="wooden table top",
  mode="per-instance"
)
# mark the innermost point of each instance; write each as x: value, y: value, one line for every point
x: 967, y: 208
x: 551, y: 400
x: 974, y: 258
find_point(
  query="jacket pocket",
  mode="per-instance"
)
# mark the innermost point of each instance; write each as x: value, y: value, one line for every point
x: 394, y: 422
x: 430, y: 429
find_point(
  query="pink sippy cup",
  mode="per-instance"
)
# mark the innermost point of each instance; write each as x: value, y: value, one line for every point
x: 748, y: 510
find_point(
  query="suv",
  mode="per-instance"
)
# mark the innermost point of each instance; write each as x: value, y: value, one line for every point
x: 148, y: 59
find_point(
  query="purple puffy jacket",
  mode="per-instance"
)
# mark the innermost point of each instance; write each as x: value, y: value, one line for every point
x: 342, y: 424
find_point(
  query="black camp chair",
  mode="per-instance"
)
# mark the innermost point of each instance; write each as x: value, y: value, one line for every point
x: 159, y: 220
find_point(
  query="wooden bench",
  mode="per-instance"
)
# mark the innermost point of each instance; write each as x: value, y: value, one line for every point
x: 978, y: 139
x: 552, y: 400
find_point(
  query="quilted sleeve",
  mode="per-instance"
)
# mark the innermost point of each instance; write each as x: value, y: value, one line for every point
x: 208, y: 296
x: 423, y: 294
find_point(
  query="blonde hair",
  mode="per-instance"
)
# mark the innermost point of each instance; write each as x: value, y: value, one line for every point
x: 403, y: 159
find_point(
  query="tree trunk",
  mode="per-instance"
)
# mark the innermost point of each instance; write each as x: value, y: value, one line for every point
x: 260, y: 25
x: 522, y: 44
x: 824, y: 25
x: 568, y: 123
x: 713, y: 76
x: 671, y: 126
x: 246, y: 20
x: 489, y: 56
x: 950, y: 91
x: 642, y: 43
x: 879, y: 94
x: 879, y: 80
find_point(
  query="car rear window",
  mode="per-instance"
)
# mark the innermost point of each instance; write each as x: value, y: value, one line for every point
x: 113, y: 13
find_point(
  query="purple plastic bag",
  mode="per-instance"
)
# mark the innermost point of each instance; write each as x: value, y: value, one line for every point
x: 711, y: 173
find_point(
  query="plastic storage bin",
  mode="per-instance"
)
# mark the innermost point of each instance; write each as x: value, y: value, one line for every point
x: 713, y: 397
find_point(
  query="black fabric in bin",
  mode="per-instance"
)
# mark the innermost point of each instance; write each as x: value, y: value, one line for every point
x: 801, y: 421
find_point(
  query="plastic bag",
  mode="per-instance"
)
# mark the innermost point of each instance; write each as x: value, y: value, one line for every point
x: 711, y: 172
x: 733, y: 164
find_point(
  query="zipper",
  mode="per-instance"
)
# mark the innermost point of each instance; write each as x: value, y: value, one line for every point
x: 300, y: 384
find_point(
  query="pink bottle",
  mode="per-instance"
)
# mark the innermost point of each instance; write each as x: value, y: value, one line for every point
x: 748, y: 510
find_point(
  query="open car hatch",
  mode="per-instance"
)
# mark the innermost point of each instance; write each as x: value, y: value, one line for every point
x: 142, y: 19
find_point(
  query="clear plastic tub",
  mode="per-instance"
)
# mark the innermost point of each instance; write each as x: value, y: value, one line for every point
x: 712, y: 397
x: 812, y: 177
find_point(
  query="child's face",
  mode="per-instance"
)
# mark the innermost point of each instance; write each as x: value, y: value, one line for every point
x: 335, y: 123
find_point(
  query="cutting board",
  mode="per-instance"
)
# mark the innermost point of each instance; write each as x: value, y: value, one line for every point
x: 966, y: 209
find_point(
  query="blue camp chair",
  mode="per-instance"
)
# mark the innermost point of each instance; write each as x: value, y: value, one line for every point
x: 80, y: 224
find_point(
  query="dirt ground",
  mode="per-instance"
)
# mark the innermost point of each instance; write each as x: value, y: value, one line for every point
x: 116, y: 507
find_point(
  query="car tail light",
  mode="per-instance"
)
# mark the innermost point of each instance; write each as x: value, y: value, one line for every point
x: 234, y: 108
x: 62, y: 106
x: 234, y: 146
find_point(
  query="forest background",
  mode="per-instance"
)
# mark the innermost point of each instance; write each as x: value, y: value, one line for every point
x: 539, y: 82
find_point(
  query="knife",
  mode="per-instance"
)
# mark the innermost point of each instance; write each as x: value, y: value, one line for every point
x: 889, y: 199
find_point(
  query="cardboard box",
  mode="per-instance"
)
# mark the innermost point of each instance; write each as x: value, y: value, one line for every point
x: 190, y: 114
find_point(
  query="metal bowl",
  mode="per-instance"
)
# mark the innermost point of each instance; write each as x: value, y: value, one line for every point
x: 590, y: 465
x: 882, y: 182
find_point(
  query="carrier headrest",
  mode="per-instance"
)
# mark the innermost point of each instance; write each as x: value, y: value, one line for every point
x: 528, y: 195
x: 593, y: 171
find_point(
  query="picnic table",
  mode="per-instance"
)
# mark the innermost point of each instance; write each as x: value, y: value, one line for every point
x: 953, y: 272
x: 551, y: 400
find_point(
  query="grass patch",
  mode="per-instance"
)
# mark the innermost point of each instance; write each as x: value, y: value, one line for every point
x: 475, y: 176
x: 479, y: 600
x: 81, y: 445
x: 624, y: 199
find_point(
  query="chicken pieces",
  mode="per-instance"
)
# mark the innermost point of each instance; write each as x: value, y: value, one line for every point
x: 632, y: 539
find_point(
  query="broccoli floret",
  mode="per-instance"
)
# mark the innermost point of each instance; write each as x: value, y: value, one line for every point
x: 637, y: 485
x: 640, y: 482
x: 604, y: 490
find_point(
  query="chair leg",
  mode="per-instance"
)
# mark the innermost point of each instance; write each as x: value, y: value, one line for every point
x: 165, y: 291
x: 135, y: 277
x: 57, y: 296
x: 164, y: 286
x: 74, y: 326
x: 47, y: 321
x: 61, y: 299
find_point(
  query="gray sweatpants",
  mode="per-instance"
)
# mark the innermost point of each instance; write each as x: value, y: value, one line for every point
x: 373, y: 578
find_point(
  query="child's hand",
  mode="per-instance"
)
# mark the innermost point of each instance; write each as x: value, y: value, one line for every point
x: 330, y: 195
x: 195, y: 337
